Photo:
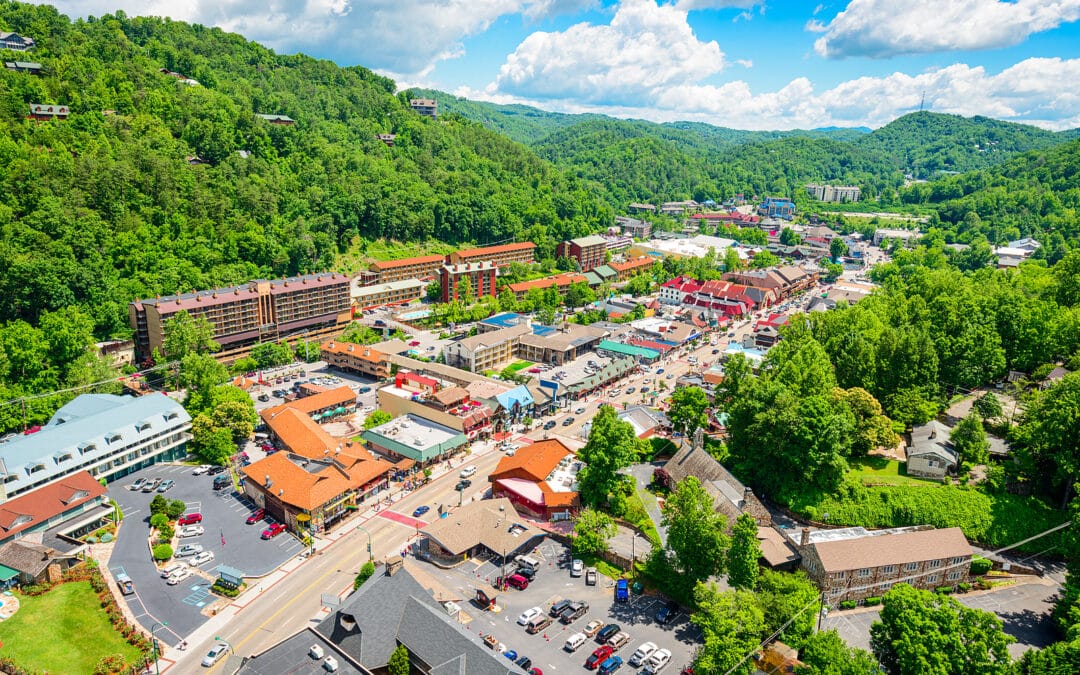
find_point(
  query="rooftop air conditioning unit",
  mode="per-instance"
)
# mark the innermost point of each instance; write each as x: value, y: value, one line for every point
x: 316, y: 652
x: 330, y: 664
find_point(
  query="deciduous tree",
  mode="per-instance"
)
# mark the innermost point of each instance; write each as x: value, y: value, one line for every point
x: 742, y: 557
x: 612, y: 446
x: 696, y: 532
x: 688, y: 410
x: 592, y: 531
x: 968, y: 438
x: 377, y: 418
x: 732, y: 624
x: 826, y: 653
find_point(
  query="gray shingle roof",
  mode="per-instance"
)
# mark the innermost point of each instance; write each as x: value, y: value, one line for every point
x: 292, y: 655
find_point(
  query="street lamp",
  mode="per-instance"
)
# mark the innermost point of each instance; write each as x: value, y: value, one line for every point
x: 153, y: 640
x: 225, y: 642
x: 364, y: 530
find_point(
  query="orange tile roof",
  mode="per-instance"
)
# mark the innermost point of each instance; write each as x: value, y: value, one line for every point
x: 558, y: 280
x: 404, y: 262
x: 351, y: 349
x: 643, y: 261
x: 536, y: 461
x: 340, y: 396
x: 48, y: 501
x: 491, y: 250
x: 299, y: 433
x: 295, y: 485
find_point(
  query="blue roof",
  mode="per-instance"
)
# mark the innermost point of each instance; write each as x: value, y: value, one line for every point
x: 91, y: 426
x: 519, y: 395
x: 542, y: 330
x: 504, y: 320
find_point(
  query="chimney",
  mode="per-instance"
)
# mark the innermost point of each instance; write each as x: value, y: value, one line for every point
x: 804, y: 540
x: 267, y: 481
x: 933, y: 432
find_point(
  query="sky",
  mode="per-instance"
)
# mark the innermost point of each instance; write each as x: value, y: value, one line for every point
x: 745, y: 64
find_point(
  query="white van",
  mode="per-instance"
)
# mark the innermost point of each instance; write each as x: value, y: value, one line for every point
x: 528, y: 561
x: 574, y: 642
x: 167, y: 572
x: 467, y: 471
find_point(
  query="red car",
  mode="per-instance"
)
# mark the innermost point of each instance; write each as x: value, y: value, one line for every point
x: 256, y: 516
x: 414, y: 343
x: 274, y: 530
x: 599, y: 656
x: 189, y: 519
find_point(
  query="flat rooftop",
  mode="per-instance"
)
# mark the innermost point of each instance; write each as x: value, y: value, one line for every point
x: 415, y: 431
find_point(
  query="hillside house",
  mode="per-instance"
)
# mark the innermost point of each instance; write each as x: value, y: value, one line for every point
x: 279, y: 120
x: 47, y: 111
x: 931, y: 454
x: 24, y: 67
x: 15, y: 42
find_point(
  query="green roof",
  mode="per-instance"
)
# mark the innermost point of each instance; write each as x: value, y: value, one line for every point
x: 605, y: 272
x: 629, y: 350
x: 592, y: 279
x: 7, y: 574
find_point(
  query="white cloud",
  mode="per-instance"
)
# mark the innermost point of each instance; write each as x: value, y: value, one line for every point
x: 405, y: 38
x: 646, y: 47
x: 1030, y: 91
x: 745, y: 63
x: 690, y: 5
x: 884, y: 28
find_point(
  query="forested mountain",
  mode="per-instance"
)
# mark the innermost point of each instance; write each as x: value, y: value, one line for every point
x: 1036, y: 194
x: 926, y: 143
x: 106, y: 207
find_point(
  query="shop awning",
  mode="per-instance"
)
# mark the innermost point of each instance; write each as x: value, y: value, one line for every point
x: 7, y: 574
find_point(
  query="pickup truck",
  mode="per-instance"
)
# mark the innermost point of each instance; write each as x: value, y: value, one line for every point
x: 127, y: 587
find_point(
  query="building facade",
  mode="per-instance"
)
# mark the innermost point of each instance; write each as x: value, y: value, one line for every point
x: 833, y: 193
x: 355, y: 358
x: 106, y: 435
x: 420, y: 267
x: 47, y: 111
x: 480, y: 275
x: 383, y: 295
x: 316, y: 305
x: 589, y: 252
x: 428, y: 107
x: 15, y: 42
x: 522, y: 252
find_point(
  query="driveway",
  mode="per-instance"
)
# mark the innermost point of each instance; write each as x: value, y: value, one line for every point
x: 227, y: 536
x: 643, y: 474
x: 1024, y: 610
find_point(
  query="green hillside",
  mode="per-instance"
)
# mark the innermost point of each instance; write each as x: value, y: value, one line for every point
x: 104, y: 207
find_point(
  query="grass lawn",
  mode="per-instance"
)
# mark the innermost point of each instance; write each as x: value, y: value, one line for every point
x: 881, y: 471
x: 519, y: 365
x: 62, y: 631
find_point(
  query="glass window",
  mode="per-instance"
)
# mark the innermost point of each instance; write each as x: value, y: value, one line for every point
x: 889, y: 569
x: 953, y: 576
x: 911, y: 567
x: 864, y: 572
x: 934, y: 564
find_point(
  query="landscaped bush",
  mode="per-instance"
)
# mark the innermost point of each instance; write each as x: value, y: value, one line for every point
x: 165, y: 534
x: 159, y: 520
x: 162, y: 552
x: 106, y: 538
x: 848, y: 604
x: 221, y: 589
x: 944, y: 590
x: 872, y: 600
x: 980, y: 565
x: 963, y: 587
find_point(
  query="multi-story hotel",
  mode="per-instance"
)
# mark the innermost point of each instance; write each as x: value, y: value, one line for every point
x: 407, y: 268
x: 381, y: 295
x: 356, y: 358
x: 522, y: 252
x: 589, y: 252
x: 481, y: 276
x: 241, y: 316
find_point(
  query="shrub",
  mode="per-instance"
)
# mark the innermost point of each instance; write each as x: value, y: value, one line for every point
x: 365, y: 573
x: 980, y: 565
x: 221, y: 589
x: 872, y: 600
x: 166, y: 532
x: 175, y: 508
x: 91, y: 540
x: 944, y: 590
x: 159, y: 520
x: 106, y: 538
x: 158, y: 504
x: 162, y: 552
x: 848, y: 604
x: 963, y: 587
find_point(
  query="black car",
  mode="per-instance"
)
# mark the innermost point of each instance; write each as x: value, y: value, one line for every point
x: 716, y: 351
x: 215, y: 470
x: 568, y: 421
x: 525, y: 662
x: 462, y: 484
x: 559, y: 607
x: 550, y: 424
x: 666, y: 614
x: 573, y: 612
x: 606, y: 632
x: 527, y: 572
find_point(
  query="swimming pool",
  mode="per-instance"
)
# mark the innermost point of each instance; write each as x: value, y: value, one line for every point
x: 413, y: 316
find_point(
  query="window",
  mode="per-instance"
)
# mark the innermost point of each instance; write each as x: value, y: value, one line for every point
x: 840, y: 575
x: 911, y: 567
x: 142, y: 426
x: 34, y: 468
x: 11, y: 478
x: 888, y: 569
x: 87, y: 447
x: 933, y: 578
x: 934, y: 564
x: 957, y: 560
x: 865, y: 572
x: 113, y: 437
x: 953, y: 576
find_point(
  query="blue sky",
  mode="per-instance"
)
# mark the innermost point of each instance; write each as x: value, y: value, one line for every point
x: 778, y: 64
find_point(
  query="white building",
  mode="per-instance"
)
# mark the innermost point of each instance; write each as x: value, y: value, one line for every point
x: 833, y: 193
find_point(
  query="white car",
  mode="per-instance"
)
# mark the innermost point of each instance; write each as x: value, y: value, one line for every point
x: 201, y: 558
x: 468, y: 471
x: 200, y: 470
x: 655, y: 663
x: 528, y: 614
x: 368, y: 409
x: 190, y: 531
x: 188, y: 549
x: 178, y: 576
x: 577, y: 567
x: 215, y: 654
x: 643, y: 652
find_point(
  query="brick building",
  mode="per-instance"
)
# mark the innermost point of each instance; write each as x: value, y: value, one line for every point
x: 381, y: 295
x: 355, y: 358
x: 481, y: 277
x: 316, y: 305
x: 589, y: 252
x: 419, y: 267
x: 633, y: 267
x: 522, y: 252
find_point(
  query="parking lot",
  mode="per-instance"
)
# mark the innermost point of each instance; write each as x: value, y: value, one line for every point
x: 551, y: 585
x: 227, y: 535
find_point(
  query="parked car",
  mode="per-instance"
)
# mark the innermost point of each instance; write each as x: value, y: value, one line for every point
x: 619, y: 639
x: 273, y: 530
x: 215, y: 470
x: 667, y: 613
x: 609, y: 666
x: 622, y: 590
x: 256, y: 516
x: 178, y: 576
x: 140, y: 482
x: 606, y: 632
x: 573, y: 613
x: 151, y: 485
x: 421, y: 510
x: 597, y: 657
x: 593, y: 627
x: 524, y: 617
x: 190, y: 531
x: 657, y: 662
x: 574, y: 642
x: 517, y: 581
x: 167, y: 571
x: 189, y: 519
x: 525, y: 662
x: 214, y: 655
x: 200, y: 470
x: 537, y: 624
x: 641, y: 653
x: 577, y: 567
x: 590, y: 576
x: 166, y: 486
x: 201, y: 558
x: 222, y: 482
x: 527, y: 572
x: 568, y: 421
x: 467, y: 471
x: 559, y: 607
x: 188, y: 550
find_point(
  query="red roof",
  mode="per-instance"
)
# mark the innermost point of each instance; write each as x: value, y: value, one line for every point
x: 643, y: 261
x: 558, y: 280
x: 36, y: 507
x: 404, y: 262
x: 491, y: 250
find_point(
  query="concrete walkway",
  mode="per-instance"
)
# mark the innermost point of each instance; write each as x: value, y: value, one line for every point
x: 642, y: 474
